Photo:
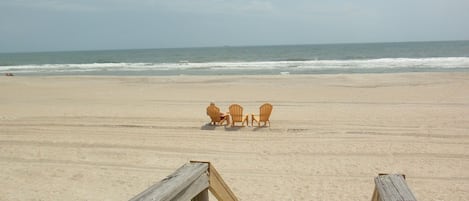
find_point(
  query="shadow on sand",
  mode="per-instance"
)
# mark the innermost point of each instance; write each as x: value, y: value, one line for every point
x: 256, y: 128
x: 233, y: 128
x: 209, y: 126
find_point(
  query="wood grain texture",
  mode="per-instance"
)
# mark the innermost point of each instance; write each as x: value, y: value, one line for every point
x: 184, y: 184
x: 392, y: 188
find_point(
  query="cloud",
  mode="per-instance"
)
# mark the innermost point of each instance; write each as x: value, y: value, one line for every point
x: 232, y: 7
x: 50, y: 5
x: 236, y: 7
x: 155, y: 23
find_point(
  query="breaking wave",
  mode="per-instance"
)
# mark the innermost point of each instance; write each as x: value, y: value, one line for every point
x: 258, y: 67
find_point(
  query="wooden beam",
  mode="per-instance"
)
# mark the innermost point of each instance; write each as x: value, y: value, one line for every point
x: 194, y: 189
x: 184, y: 184
x: 392, y: 187
x: 202, y: 196
x: 218, y: 187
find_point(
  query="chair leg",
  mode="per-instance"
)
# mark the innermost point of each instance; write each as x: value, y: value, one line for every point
x: 252, y: 119
x: 228, y: 120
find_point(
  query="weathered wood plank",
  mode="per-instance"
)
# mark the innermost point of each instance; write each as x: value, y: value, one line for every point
x: 218, y: 187
x: 202, y: 196
x: 404, y: 190
x: 375, y: 196
x: 392, y: 188
x: 194, y: 189
x: 183, y: 183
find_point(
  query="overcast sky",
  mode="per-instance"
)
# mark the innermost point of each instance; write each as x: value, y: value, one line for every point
x: 54, y: 25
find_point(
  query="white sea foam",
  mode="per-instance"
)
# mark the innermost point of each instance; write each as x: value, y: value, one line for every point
x: 281, y: 66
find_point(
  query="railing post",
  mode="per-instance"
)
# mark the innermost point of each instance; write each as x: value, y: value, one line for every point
x: 184, y: 184
x: 202, y: 196
x: 218, y: 187
x: 192, y: 182
x: 392, y: 187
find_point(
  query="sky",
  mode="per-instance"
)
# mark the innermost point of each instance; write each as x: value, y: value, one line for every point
x: 62, y: 25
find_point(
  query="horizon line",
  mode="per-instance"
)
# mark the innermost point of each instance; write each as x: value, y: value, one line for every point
x: 226, y: 46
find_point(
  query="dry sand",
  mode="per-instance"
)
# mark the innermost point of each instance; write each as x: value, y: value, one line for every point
x: 109, y: 138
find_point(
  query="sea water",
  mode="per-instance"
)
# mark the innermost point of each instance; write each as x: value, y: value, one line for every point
x: 445, y: 56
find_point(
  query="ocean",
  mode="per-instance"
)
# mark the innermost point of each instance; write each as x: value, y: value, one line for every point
x: 444, y: 56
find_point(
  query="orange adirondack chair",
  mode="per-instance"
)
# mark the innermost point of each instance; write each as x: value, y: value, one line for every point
x: 214, y: 113
x: 264, y: 113
x: 236, y: 112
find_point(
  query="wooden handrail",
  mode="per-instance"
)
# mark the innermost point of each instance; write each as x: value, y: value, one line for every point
x: 184, y: 184
x: 392, y: 187
x: 190, y: 182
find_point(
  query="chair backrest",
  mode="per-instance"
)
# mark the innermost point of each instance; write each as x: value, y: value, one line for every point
x: 236, y: 112
x: 265, y: 111
x: 214, y: 113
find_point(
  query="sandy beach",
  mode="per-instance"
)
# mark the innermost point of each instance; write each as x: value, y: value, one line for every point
x: 109, y: 138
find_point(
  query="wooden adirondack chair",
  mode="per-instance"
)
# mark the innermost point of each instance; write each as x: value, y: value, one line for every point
x: 214, y: 113
x: 236, y: 113
x: 264, y: 114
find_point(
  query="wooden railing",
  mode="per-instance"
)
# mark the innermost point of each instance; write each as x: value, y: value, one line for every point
x: 392, y: 187
x: 193, y: 180
x: 190, y: 182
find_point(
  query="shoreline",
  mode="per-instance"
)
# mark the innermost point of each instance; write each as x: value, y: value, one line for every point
x: 252, y: 75
x: 109, y: 138
x: 246, y: 72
